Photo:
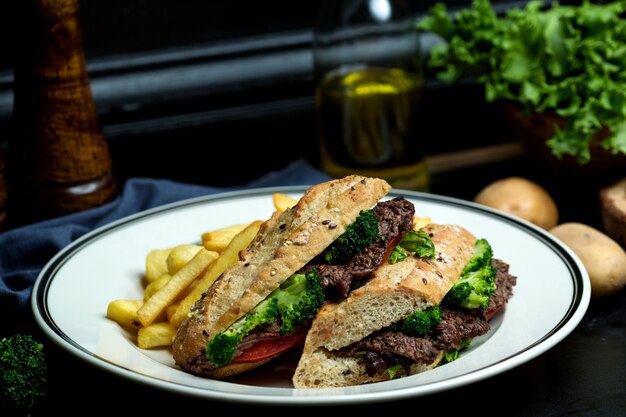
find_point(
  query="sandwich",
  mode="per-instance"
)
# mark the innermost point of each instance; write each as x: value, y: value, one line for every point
x: 331, y: 242
x: 417, y: 312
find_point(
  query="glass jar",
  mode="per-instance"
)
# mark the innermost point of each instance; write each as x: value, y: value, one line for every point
x: 369, y: 78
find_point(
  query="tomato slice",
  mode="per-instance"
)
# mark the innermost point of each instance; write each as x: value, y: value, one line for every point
x: 271, y: 347
x: 489, y: 314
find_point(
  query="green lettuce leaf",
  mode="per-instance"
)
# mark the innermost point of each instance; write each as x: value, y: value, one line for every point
x: 569, y: 59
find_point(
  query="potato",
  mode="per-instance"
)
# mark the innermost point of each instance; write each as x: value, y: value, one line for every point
x: 419, y: 222
x: 217, y: 240
x: 124, y: 312
x: 181, y: 254
x: 230, y: 255
x: 167, y: 294
x: 603, y: 258
x: 523, y: 198
x: 155, y: 285
x: 156, y: 335
x: 283, y: 202
x: 156, y: 263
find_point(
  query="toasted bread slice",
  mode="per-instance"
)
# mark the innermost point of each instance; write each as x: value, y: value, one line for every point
x: 392, y: 294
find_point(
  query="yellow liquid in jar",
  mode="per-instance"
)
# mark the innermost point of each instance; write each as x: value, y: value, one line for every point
x: 369, y: 125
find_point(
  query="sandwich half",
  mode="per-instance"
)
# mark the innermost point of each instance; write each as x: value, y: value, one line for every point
x: 249, y: 315
x: 411, y: 316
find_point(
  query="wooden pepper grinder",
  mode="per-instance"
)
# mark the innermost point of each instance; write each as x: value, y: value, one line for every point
x: 58, y: 159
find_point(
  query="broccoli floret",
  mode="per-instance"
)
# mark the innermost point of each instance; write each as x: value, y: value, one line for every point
x: 299, y: 299
x: 482, y: 256
x: 221, y: 349
x: 420, y: 322
x: 23, y: 373
x: 450, y: 355
x: 393, y: 370
x: 473, y: 289
x: 478, y: 279
x: 358, y: 235
x: 398, y: 254
x: 417, y: 242
x: 296, y: 300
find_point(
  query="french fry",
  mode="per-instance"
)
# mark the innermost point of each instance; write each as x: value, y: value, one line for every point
x: 283, y: 202
x: 419, y: 222
x: 169, y: 292
x: 156, y: 335
x: 124, y: 312
x: 181, y: 254
x: 171, y: 310
x: 156, y: 263
x: 229, y: 256
x: 155, y: 285
x: 217, y: 240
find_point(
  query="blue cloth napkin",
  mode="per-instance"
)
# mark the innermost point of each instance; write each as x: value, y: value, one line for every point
x: 25, y: 251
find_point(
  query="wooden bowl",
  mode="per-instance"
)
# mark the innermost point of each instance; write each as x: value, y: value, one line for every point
x: 533, y: 131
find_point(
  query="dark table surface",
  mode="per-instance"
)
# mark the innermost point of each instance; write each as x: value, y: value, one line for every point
x: 585, y: 374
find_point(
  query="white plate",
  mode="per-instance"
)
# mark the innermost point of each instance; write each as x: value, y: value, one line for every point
x: 72, y: 292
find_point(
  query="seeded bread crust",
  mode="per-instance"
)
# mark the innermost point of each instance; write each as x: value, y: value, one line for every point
x: 393, y: 293
x: 321, y: 216
x: 347, y: 371
x: 285, y: 242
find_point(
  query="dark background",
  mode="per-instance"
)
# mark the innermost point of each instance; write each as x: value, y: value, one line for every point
x: 184, y: 87
x: 219, y: 92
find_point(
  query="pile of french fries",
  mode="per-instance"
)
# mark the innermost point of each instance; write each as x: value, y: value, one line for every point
x: 176, y: 277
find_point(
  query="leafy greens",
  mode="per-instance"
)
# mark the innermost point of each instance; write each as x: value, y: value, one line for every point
x: 568, y: 59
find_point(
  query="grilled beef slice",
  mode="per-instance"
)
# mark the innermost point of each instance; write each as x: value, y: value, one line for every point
x: 417, y: 349
x: 395, y: 219
x: 504, y: 284
x: 457, y: 325
x: 387, y: 347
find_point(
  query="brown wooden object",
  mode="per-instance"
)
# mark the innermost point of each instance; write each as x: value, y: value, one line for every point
x: 533, y: 131
x: 613, y: 210
x: 4, y: 192
x: 58, y: 158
